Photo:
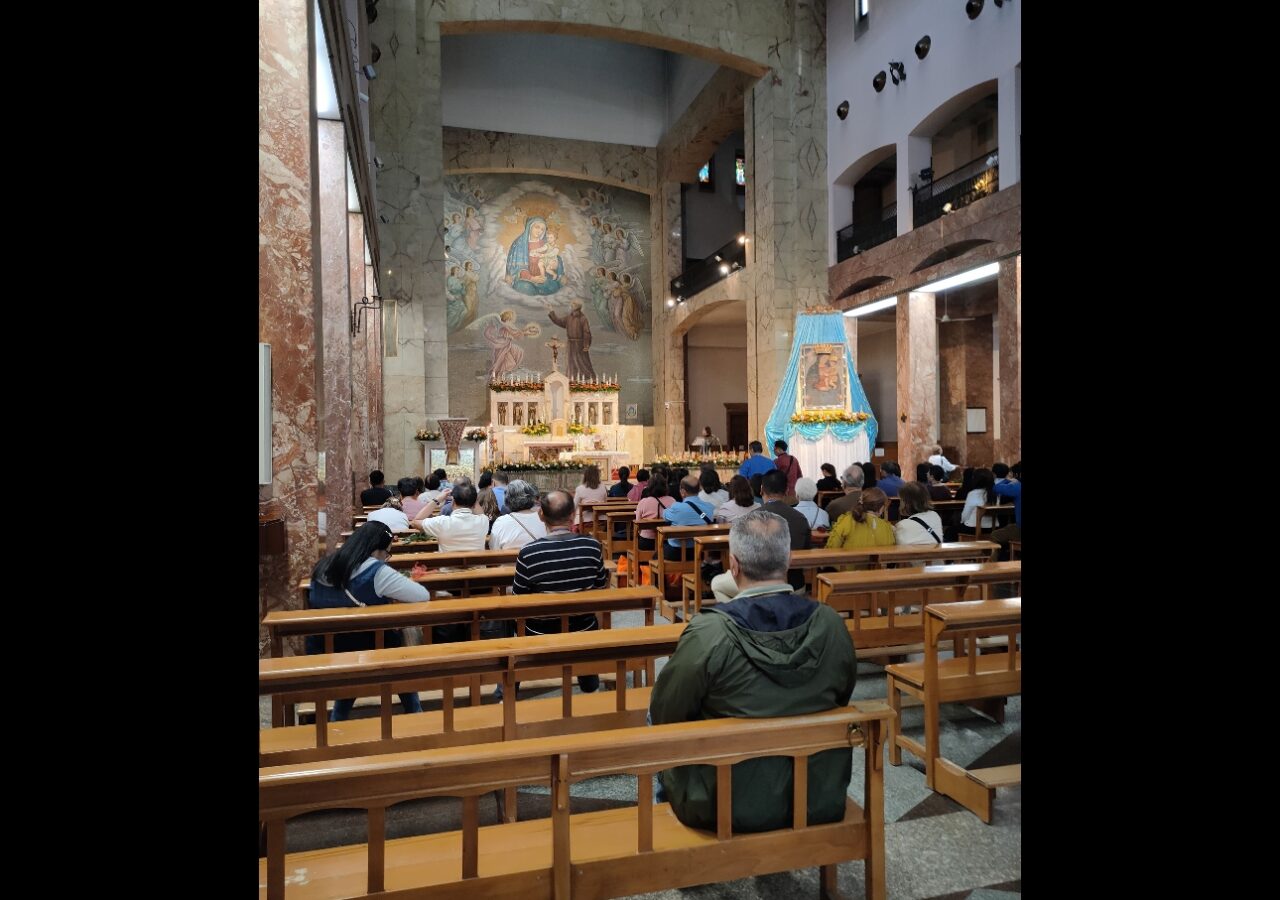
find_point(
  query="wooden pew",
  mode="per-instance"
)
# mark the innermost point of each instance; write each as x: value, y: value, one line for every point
x: 960, y: 679
x: 487, y: 579
x: 465, y: 559
x: 505, y: 660
x: 824, y: 497
x: 1015, y: 550
x: 660, y: 567
x: 811, y: 561
x: 596, y: 529
x: 472, y: 612
x: 872, y: 599
x: 636, y: 558
x: 995, y: 510
x: 602, y: 854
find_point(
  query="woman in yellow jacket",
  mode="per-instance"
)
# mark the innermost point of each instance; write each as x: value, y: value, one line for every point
x: 863, y: 526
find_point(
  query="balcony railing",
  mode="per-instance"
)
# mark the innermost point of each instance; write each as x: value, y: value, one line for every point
x: 702, y: 274
x: 959, y: 188
x: 851, y: 241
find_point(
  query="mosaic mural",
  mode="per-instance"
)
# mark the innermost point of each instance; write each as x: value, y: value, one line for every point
x: 533, y: 258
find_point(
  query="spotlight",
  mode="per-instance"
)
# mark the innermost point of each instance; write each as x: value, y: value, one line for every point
x: 737, y: 266
x: 973, y: 8
x: 742, y: 239
x: 718, y: 258
x: 922, y: 47
x: 926, y: 174
x: 369, y: 72
x: 897, y: 71
x: 377, y: 162
x: 680, y: 299
x: 671, y: 301
x: 878, y: 81
x: 724, y: 268
x: 679, y: 283
x: 842, y: 111
x: 946, y: 207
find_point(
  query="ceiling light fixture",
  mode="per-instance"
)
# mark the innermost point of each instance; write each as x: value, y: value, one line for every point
x: 973, y: 8
x: 875, y: 306
x: 990, y: 270
x: 922, y: 47
x: 842, y: 111
x: 879, y: 80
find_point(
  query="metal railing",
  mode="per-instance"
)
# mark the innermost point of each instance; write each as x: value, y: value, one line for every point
x: 970, y: 182
x: 851, y: 241
x: 702, y: 274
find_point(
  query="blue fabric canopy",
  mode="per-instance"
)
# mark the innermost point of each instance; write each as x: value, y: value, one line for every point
x: 821, y: 328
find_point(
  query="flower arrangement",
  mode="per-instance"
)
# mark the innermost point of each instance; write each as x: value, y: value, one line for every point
x: 426, y: 434
x: 579, y: 428
x: 553, y: 466
x: 454, y: 472
x: 519, y: 387
x: 476, y: 434
x: 695, y: 462
x: 593, y: 387
x: 537, y: 428
x: 829, y: 417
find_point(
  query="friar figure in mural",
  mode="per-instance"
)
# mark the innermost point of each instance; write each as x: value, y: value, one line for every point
x: 578, y: 330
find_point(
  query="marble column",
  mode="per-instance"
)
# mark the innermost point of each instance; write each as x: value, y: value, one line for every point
x: 287, y: 301
x: 335, y: 360
x: 677, y: 394
x: 408, y: 138
x: 787, y: 210
x: 951, y: 371
x: 360, y: 443
x: 1008, y: 444
x: 914, y: 154
x: 664, y: 216
x: 851, y: 338
x: 917, y: 378
x: 1009, y: 126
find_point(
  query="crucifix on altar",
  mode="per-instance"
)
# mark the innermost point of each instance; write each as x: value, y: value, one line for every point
x: 554, y: 346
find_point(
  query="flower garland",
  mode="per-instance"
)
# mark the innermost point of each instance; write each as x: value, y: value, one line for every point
x: 553, y: 466
x: 426, y: 435
x: 587, y: 387
x: 831, y: 417
x: 538, y: 428
x: 518, y: 387
x: 692, y: 462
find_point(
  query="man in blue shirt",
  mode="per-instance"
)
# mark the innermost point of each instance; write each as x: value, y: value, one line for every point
x: 689, y: 511
x: 500, y: 481
x: 756, y: 463
x: 890, y: 478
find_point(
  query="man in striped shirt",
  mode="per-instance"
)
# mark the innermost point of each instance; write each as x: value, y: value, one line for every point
x: 561, y: 563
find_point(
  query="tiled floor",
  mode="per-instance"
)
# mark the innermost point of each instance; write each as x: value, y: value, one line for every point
x: 934, y: 847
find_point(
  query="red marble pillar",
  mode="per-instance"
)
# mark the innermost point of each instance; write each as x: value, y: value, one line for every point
x: 335, y: 288
x: 917, y: 379
x: 1008, y: 442
x: 287, y: 307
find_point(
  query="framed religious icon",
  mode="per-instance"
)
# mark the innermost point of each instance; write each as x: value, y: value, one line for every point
x: 823, y: 382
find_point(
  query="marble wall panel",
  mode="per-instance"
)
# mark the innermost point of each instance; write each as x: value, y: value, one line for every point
x: 917, y: 375
x: 287, y: 304
x: 335, y: 282
x: 951, y: 365
x: 1008, y: 448
x: 979, y: 387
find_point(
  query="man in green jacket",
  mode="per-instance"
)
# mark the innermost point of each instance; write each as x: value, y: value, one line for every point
x: 768, y: 652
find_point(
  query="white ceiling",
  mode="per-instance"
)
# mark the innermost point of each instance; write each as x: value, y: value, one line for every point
x: 566, y: 86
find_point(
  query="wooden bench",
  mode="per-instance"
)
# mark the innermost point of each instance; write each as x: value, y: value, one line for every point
x: 596, y: 507
x: 472, y: 612
x: 601, y: 854
x: 961, y: 679
x: 995, y: 510
x: 822, y: 498
x: 465, y: 559
x: 871, y: 600
x: 661, y: 567
x: 811, y: 561
x: 464, y: 582
x: 504, y: 660
x: 1015, y: 550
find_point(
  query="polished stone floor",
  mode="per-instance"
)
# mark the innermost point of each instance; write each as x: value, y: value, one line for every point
x: 934, y: 847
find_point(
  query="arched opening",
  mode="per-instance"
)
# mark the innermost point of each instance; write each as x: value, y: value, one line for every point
x: 715, y: 350
x: 874, y: 216
x: 964, y: 154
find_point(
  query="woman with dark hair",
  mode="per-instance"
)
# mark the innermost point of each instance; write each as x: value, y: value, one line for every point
x: 918, y: 523
x: 624, y: 483
x: 589, y: 491
x: 980, y: 493
x: 828, y: 481
x: 358, y: 575
x: 863, y: 526
x: 656, y: 499
x: 486, y: 480
x: 869, y: 475
x: 740, y: 501
x: 711, y: 490
x: 755, y: 483
x: 638, y: 489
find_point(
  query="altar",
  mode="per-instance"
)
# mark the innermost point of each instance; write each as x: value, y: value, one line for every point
x: 541, y: 419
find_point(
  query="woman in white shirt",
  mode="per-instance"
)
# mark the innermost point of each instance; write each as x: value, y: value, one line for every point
x: 522, y: 524
x: 740, y: 502
x: 711, y: 490
x: 980, y: 494
x: 806, y: 490
x: 918, y: 523
x: 591, y: 491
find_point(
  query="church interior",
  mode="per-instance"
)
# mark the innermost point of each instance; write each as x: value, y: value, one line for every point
x: 571, y: 315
